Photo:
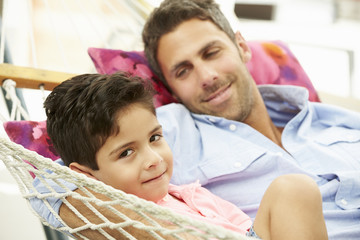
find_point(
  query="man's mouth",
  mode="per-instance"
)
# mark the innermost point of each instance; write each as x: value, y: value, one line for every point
x: 219, y: 95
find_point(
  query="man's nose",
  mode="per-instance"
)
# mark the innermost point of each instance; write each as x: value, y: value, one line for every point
x: 207, y: 75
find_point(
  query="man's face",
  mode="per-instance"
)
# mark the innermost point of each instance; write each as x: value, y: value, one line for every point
x: 206, y: 70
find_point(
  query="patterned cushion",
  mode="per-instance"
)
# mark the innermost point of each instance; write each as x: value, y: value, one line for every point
x: 108, y: 61
x: 274, y: 63
x: 31, y: 135
x: 271, y: 63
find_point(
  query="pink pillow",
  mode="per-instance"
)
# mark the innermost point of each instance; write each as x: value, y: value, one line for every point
x: 31, y: 135
x: 271, y: 63
x: 274, y: 63
x: 108, y: 61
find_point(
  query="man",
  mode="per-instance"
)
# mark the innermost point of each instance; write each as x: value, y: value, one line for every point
x: 235, y: 137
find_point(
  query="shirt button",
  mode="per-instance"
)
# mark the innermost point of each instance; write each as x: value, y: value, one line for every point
x: 343, y: 201
x: 212, y: 120
x: 237, y: 164
x: 232, y: 127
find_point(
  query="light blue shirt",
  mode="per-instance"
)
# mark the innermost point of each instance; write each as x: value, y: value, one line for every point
x: 237, y: 163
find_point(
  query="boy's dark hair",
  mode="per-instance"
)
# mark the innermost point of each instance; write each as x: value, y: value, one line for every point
x: 82, y: 112
x: 169, y: 15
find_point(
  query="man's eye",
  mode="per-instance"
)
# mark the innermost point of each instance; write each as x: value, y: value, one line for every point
x: 155, y: 137
x: 126, y: 153
x: 211, y: 53
x: 181, y: 72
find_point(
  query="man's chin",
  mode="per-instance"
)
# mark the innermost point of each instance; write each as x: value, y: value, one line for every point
x: 218, y: 112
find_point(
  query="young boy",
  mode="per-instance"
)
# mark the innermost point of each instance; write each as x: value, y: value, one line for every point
x: 105, y: 127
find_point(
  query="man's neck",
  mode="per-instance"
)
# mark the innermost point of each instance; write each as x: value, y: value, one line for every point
x: 260, y: 120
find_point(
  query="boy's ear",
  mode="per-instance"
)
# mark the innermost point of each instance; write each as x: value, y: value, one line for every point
x: 244, y: 48
x: 77, y: 167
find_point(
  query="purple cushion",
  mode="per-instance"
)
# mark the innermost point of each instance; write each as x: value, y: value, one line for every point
x: 31, y: 135
x: 108, y: 61
x: 274, y: 63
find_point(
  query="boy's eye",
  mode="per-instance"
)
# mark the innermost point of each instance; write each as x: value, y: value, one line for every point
x: 155, y: 137
x: 126, y: 153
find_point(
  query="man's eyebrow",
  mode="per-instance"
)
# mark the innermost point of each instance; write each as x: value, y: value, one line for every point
x: 200, y: 52
x: 207, y: 46
x: 177, y: 66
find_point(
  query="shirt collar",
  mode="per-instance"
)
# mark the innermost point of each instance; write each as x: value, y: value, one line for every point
x: 287, y: 97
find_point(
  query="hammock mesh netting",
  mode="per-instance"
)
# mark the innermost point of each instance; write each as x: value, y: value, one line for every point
x: 111, y: 215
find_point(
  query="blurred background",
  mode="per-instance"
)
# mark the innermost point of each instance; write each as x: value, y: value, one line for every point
x: 55, y: 34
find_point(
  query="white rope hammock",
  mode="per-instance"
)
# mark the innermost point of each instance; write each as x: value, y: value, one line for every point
x: 158, y: 222
x: 17, y: 110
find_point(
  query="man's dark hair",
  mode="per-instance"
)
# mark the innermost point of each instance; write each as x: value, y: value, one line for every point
x: 82, y: 112
x: 169, y: 15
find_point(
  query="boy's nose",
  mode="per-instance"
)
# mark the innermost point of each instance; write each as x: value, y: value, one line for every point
x: 153, y: 158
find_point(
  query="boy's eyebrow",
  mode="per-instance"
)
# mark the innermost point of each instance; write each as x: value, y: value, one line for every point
x: 157, y: 128
x: 120, y: 147
x: 200, y: 52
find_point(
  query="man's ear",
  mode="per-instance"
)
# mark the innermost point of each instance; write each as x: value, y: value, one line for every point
x: 244, y: 48
x: 77, y: 167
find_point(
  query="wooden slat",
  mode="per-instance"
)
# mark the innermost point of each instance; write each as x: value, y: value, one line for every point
x: 26, y: 77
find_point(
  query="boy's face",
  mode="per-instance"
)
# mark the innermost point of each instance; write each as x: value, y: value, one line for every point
x: 206, y: 70
x: 137, y: 160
